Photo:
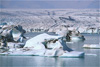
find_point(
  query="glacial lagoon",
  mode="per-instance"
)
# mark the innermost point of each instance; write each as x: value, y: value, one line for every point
x: 91, y: 59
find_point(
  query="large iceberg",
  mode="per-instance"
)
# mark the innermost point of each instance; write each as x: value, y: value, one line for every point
x: 58, y: 48
x: 45, y: 45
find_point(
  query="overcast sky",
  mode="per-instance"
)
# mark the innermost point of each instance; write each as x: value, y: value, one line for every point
x: 49, y: 4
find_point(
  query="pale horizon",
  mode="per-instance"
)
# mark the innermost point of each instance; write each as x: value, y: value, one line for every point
x: 49, y: 4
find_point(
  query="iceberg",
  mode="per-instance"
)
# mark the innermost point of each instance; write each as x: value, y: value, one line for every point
x: 76, y: 36
x: 91, y: 46
x: 16, y: 34
x: 71, y: 35
x: 45, y: 45
x: 12, y: 33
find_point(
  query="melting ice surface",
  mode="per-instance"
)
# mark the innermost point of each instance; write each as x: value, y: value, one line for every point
x: 91, y: 59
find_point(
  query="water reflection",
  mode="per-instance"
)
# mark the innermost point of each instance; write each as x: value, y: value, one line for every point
x: 39, y: 61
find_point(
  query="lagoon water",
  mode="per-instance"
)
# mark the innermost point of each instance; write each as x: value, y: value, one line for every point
x: 91, y: 59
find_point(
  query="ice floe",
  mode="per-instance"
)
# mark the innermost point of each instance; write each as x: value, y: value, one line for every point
x: 92, y: 46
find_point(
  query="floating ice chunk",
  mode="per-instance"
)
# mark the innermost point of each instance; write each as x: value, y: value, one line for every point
x: 92, y: 46
x: 16, y: 34
x: 91, y: 54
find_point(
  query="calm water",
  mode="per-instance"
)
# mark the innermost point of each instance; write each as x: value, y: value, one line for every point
x: 91, y: 59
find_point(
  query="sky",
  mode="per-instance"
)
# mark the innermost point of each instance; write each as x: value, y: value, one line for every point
x: 49, y: 4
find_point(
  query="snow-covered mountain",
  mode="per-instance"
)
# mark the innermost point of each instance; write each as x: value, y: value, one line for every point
x: 51, y: 18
